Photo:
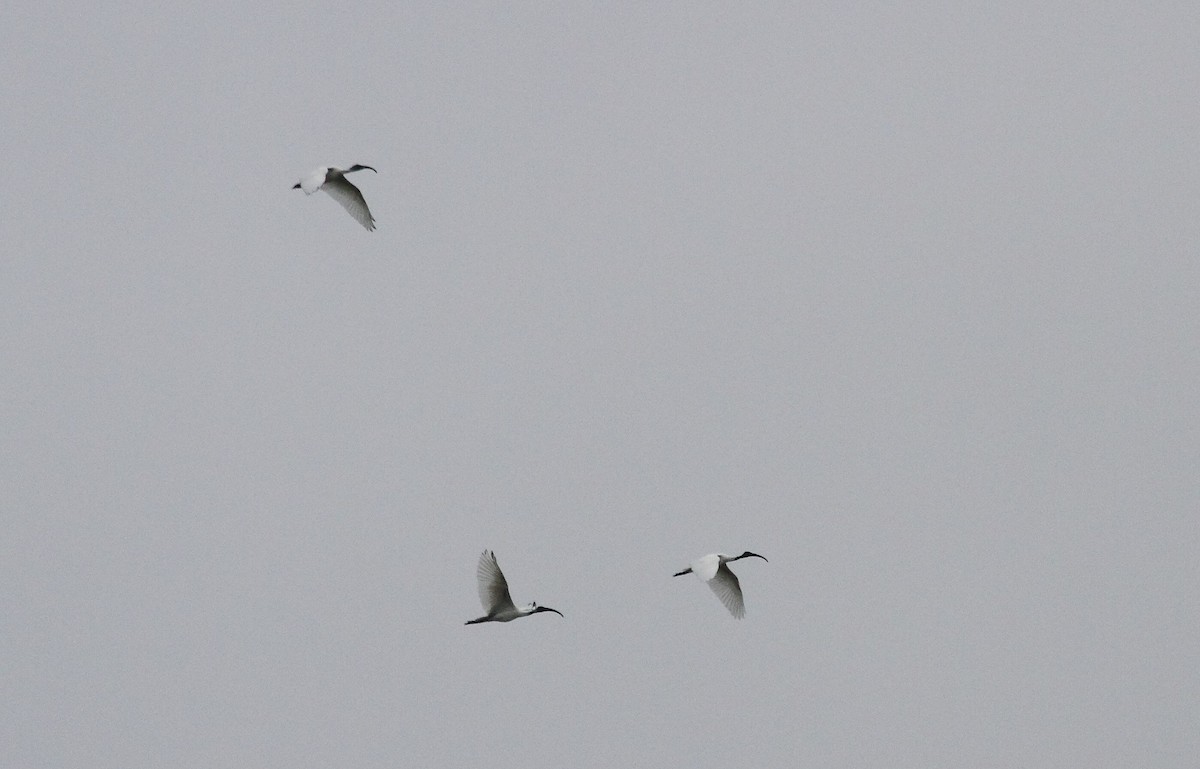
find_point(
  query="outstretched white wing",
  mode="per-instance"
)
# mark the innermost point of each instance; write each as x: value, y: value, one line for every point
x: 493, y: 588
x: 350, y: 199
x: 725, y: 585
x: 705, y: 567
x: 313, y: 181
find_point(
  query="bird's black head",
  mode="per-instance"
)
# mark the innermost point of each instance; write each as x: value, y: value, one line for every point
x: 748, y: 554
x: 537, y: 608
x: 296, y: 186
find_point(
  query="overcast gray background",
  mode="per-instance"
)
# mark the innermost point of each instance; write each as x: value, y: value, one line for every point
x: 902, y: 296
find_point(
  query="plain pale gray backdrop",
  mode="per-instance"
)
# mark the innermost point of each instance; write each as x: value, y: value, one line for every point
x: 903, y: 296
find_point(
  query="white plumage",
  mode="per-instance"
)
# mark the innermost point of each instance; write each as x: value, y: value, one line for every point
x: 714, y: 570
x: 333, y: 180
x: 493, y: 594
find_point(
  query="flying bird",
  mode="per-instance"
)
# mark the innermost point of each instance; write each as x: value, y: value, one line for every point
x: 493, y: 594
x: 333, y: 180
x: 714, y: 570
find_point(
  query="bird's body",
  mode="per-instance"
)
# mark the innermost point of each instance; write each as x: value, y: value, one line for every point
x: 333, y: 180
x: 714, y: 570
x: 493, y: 594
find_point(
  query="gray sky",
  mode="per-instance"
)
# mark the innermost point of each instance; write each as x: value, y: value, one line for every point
x: 903, y: 297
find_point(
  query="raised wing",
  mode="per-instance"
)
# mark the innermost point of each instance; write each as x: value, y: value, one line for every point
x: 725, y: 585
x: 705, y: 567
x: 493, y: 588
x: 350, y: 199
x: 313, y: 181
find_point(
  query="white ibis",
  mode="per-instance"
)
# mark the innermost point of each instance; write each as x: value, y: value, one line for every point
x: 714, y: 569
x: 493, y: 594
x: 333, y: 180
